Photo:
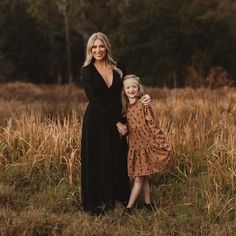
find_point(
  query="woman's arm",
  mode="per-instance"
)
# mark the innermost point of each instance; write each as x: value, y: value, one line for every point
x: 146, y: 100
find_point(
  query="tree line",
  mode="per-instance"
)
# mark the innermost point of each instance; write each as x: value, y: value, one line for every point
x: 164, y: 42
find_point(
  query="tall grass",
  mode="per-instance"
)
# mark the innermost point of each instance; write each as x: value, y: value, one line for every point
x: 40, y: 166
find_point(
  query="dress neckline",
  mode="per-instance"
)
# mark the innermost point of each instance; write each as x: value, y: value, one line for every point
x: 112, y: 78
x: 134, y: 103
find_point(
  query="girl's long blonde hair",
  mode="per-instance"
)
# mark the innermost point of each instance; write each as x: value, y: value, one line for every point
x: 124, y: 98
x: 108, y: 58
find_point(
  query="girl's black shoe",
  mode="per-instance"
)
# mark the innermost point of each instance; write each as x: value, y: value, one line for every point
x: 148, y: 206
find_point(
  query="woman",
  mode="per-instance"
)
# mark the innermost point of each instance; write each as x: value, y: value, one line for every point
x: 104, y: 178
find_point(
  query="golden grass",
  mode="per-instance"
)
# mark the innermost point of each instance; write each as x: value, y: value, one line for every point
x: 39, y: 165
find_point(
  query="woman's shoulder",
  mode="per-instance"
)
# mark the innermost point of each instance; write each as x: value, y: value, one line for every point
x: 87, y: 67
x: 86, y: 71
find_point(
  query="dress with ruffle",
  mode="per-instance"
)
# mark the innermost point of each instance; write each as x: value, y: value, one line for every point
x: 148, y: 151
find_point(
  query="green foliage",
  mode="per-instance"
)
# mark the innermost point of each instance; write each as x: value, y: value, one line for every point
x: 19, y: 34
x: 33, y: 42
x: 161, y: 41
x: 157, y: 39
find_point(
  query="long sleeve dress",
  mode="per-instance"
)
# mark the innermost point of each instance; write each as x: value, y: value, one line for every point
x: 148, y: 151
x: 104, y: 177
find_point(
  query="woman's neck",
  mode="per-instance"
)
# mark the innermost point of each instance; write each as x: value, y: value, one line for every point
x: 100, y: 64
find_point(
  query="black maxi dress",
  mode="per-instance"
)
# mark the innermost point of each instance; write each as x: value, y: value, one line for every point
x: 104, y: 178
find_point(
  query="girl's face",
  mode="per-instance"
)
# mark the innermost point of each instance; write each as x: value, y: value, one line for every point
x: 98, y: 50
x: 131, y: 88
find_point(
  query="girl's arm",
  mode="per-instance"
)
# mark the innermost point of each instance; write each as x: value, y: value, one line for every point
x: 152, y: 124
x: 122, y: 128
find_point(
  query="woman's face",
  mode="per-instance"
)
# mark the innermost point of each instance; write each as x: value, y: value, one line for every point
x: 99, y: 50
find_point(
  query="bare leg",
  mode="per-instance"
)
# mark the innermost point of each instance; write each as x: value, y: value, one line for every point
x: 146, y: 190
x: 136, y: 190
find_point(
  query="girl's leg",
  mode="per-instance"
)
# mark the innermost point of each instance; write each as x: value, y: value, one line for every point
x: 136, y: 190
x: 146, y: 190
x: 146, y: 195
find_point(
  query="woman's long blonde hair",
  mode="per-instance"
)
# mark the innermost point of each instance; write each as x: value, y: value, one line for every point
x: 124, y: 98
x: 108, y: 58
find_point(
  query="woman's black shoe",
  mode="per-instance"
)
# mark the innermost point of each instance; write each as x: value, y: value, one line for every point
x: 129, y: 210
x: 97, y: 212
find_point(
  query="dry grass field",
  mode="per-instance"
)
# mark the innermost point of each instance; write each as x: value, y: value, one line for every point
x: 40, y: 132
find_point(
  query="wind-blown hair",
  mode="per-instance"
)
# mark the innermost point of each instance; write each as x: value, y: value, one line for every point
x: 108, y: 57
x: 124, y: 98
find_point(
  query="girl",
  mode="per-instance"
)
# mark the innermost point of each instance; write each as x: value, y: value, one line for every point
x: 148, y: 153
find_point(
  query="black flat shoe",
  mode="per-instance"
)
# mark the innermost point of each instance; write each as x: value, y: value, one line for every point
x: 148, y: 206
x: 97, y: 212
x: 129, y: 210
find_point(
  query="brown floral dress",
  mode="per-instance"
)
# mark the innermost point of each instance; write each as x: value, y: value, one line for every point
x: 148, y: 152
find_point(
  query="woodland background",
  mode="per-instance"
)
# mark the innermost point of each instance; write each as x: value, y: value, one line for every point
x: 172, y: 43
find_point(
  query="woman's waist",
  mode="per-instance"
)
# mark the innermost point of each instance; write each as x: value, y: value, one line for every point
x: 102, y: 111
x: 104, y: 107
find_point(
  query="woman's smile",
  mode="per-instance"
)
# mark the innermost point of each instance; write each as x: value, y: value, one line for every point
x: 98, y: 50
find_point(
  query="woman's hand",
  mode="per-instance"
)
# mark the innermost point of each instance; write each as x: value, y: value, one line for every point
x: 122, y: 129
x: 146, y: 100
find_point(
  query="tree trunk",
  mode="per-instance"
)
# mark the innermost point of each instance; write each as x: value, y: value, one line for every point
x: 68, y: 51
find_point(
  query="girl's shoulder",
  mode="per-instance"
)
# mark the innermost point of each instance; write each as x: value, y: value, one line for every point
x: 145, y: 108
x: 139, y: 102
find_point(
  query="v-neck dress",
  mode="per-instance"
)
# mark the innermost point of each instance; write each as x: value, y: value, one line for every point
x: 104, y: 177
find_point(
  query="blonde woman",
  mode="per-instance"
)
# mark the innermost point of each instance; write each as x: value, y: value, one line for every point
x: 104, y: 178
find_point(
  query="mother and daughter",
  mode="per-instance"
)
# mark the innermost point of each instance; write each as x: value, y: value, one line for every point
x: 117, y: 112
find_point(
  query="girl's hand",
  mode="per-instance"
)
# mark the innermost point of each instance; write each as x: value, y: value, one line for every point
x: 122, y: 129
x: 146, y: 100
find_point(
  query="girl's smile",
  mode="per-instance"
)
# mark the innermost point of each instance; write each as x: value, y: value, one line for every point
x: 131, y: 88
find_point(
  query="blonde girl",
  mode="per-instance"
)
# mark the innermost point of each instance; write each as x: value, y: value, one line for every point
x: 148, y: 153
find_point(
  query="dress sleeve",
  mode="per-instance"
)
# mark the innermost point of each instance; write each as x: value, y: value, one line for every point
x: 92, y: 97
x: 152, y: 124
